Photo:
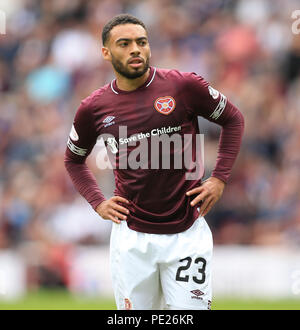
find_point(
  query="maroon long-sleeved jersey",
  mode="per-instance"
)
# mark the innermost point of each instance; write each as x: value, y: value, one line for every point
x: 168, y: 103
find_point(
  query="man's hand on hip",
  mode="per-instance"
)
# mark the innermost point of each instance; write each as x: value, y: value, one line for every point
x: 111, y: 210
x: 209, y: 193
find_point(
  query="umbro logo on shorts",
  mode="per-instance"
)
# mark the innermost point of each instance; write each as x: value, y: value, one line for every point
x: 197, y: 294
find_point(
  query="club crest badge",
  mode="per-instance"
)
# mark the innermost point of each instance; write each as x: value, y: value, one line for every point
x: 165, y: 104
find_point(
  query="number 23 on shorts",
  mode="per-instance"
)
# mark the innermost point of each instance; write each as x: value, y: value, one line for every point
x: 187, y: 262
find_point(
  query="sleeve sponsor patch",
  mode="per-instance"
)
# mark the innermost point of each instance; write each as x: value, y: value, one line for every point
x: 76, y: 150
x: 220, y: 107
x: 213, y: 92
x: 73, y: 134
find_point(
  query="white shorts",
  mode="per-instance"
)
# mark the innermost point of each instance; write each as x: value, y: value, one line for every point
x: 161, y: 271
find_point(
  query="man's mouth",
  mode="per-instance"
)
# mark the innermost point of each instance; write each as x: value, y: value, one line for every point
x: 135, y: 62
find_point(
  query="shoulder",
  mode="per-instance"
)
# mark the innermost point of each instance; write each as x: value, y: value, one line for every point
x: 95, y: 99
x: 170, y: 74
x: 88, y: 105
x: 188, y: 79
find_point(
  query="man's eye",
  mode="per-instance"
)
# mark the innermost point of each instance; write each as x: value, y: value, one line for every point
x: 123, y: 44
x: 142, y: 43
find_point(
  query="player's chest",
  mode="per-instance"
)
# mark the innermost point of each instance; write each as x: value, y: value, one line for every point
x: 140, y: 114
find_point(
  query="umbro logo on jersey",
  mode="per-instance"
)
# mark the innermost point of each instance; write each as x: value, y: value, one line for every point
x: 197, y: 294
x: 108, y: 121
x: 165, y: 104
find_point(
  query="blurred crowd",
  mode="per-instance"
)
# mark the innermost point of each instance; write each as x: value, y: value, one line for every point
x: 50, y: 59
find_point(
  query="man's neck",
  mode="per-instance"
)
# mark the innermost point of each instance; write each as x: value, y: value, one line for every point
x: 128, y: 85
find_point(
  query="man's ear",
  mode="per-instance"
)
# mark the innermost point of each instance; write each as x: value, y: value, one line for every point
x: 106, y: 53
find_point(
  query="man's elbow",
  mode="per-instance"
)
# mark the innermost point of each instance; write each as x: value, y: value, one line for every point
x: 236, y: 119
x: 240, y: 119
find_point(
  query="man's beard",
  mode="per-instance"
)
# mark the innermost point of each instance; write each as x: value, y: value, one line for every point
x: 121, y: 69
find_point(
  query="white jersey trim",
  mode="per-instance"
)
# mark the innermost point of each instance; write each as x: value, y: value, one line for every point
x: 151, y: 78
x: 112, y: 87
x: 220, y: 107
x: 149, y: 83
x: 76, y: 150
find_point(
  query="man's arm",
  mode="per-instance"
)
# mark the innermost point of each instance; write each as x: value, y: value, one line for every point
x: 215, y: 107
x: 81, y: 141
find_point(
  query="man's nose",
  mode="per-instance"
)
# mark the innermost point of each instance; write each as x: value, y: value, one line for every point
x: 135, y: 49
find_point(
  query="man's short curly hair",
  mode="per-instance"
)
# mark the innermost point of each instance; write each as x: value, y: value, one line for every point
x: 118, y: 20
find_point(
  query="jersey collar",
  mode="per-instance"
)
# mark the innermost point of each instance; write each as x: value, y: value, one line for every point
x: 147, y: 83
